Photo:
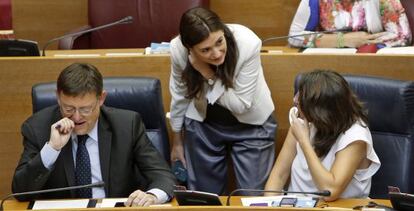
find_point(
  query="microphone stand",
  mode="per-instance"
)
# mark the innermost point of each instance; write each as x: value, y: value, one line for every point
x: 96, y: 184
x: 125, y: 20
x: 320, y: 193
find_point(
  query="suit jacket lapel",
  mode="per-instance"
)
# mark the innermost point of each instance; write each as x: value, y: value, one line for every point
x: 104, y: 143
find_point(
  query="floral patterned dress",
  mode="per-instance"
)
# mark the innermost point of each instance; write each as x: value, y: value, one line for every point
x: 353, y: 15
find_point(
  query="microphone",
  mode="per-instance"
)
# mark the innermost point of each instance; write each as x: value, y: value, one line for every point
x: 319, y: 193
x: 126, y: 20
x: 345, y: 29
x: 92, y: 185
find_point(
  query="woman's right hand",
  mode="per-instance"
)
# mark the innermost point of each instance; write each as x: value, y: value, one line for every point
x: 177, y: 149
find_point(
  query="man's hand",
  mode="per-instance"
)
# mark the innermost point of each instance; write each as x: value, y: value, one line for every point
x: 140, y: 198
x: 60, y: 133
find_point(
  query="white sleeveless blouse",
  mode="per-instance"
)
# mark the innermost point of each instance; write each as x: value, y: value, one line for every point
x: 359, y: 186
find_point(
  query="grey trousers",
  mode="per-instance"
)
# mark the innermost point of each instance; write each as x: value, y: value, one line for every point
x: 208, y: 146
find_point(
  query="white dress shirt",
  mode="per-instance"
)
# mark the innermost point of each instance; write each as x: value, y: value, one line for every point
x: 360, y: 184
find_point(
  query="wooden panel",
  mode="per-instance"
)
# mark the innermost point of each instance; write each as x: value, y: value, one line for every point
x: 46, y: 19
x: 18, y: 75
x: 267, y: 18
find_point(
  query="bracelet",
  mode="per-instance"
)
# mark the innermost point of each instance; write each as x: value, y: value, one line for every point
x: 340, y: 41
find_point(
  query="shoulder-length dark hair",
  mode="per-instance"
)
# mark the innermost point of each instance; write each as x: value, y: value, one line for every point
x: 327, y: 101
x: 195, y: 26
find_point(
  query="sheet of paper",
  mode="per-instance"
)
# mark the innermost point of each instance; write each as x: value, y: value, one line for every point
x: 268, y: 200
x: 396, y: 50
x: 274, y: 201
x: 77, y: 55
x: 125, y: 54
x: 112, y: 201
x: 330, y: 51
x: 60, y: 204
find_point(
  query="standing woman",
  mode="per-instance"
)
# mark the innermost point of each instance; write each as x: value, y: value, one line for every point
x: 221, y: 106
x: 329, y: 145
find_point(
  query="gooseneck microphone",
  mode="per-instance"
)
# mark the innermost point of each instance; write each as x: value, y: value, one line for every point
x: 125, y: 20
x: 319, y: 193
x: 92, y: 185
x: 346, y: 29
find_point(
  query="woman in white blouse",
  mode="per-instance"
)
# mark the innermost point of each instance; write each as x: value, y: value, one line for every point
x: 221, y: 106
x: 329, y: 145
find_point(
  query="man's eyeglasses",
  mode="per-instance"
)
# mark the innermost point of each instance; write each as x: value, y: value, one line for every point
x: 84, y: 111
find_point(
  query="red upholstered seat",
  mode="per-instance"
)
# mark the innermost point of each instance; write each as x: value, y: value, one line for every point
x: 154, y: 21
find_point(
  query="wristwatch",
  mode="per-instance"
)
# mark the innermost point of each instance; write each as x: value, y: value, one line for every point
x: 211, y: 81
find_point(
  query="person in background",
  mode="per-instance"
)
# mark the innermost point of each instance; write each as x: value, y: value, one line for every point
x: 382, y: 23
x: 221, y: 106
x: 80, y: 141
x: 328, y: 145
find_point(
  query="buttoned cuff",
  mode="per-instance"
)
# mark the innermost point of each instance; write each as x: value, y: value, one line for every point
x: 48, y: 156
x: 162, y: 197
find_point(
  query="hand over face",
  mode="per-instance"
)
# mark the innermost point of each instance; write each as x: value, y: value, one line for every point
x: 60, y: 133
x: 140, y: 198
x: 300, y: 129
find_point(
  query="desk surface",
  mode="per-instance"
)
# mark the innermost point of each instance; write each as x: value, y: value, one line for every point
x: 140, y: 51
x: 235, y: 205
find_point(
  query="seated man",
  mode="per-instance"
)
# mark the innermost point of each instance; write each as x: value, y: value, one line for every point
x: 81, y: 141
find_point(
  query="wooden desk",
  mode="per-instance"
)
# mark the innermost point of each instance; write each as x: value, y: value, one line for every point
x: 341, y: 204
x: 19, y: 74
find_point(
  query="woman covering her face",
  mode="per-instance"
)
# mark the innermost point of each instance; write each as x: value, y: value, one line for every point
x: 329, y: 145
x: 221, y: 106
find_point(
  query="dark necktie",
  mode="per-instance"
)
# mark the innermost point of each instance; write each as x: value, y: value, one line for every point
x: 83, y: 168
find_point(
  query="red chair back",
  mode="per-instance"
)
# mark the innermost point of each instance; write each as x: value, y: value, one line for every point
x: 154, y: 21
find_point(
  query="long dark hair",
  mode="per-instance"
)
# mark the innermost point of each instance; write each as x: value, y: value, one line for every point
x: 327, y: 101
x: 195, y: 26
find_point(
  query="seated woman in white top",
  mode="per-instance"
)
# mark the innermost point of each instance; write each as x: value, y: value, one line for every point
x: 329, y: 145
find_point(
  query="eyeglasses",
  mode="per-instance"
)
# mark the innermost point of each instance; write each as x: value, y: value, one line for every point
x: 84, y: 111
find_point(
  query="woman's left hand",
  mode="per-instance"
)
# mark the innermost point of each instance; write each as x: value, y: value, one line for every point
x: 300, y: 129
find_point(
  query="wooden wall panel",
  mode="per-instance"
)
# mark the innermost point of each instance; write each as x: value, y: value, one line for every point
x: 267, y: 18
x: 43, y: 20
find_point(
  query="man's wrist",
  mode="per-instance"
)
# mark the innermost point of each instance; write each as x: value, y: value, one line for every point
x: 54, y: 146
x: 160, y: 195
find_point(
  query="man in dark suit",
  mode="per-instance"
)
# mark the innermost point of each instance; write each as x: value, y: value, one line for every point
x: 81, y: 141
